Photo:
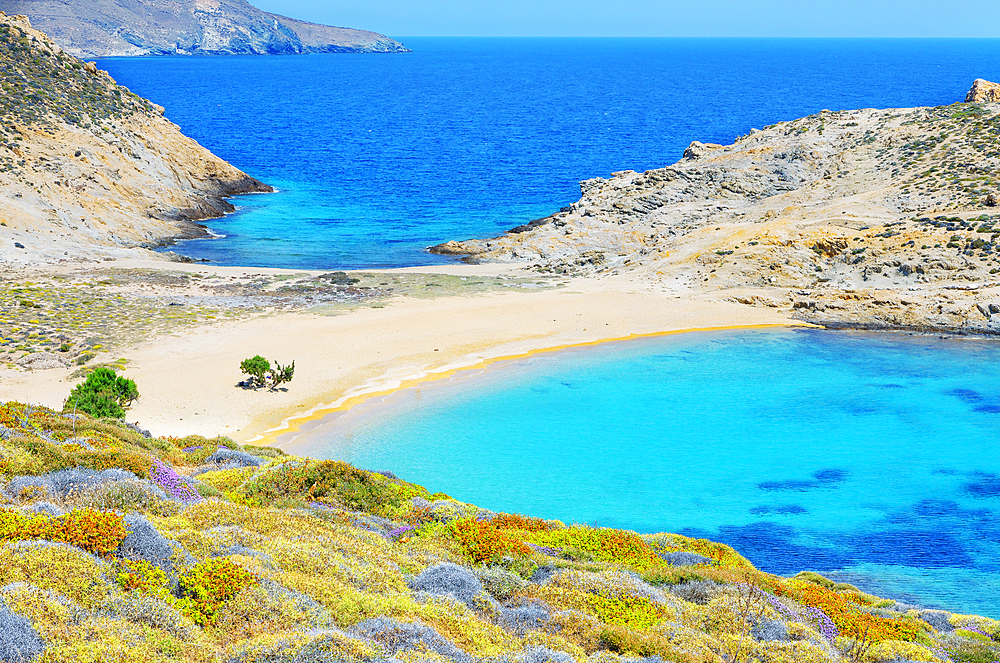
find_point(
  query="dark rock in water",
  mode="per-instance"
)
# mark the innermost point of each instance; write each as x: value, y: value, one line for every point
x: 103, y: 28
x: 531, y: 225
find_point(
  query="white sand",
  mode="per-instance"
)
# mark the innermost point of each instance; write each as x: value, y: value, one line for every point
x: 188, y: 382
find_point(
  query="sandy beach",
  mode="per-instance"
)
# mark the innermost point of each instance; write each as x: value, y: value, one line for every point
x: 188, y: 380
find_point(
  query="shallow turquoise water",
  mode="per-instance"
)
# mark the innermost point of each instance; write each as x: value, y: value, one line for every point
x: 868, y: 457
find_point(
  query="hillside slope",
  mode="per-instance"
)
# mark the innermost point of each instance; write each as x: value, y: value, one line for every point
x: 105, y: 28
x: 88, y: 169
x: 115, y: 546
x: 878, y: 218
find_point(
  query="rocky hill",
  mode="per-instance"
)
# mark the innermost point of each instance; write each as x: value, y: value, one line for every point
x: 87, y: 168
x: 873, y: 218
x: 117, y: 546
x: 104, y: 28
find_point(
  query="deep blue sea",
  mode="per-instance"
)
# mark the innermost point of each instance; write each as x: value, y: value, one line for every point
x: 871, y: 458
x: 379, y: 156
x: 868, y: 457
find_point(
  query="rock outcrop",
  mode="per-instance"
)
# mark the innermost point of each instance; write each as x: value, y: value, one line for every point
x: 105, y: 28
x: 89, y: 170
x: 876, y: 218
x: 983, y: 92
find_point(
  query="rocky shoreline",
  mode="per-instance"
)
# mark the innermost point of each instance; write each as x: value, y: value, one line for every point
x: 883, y: 219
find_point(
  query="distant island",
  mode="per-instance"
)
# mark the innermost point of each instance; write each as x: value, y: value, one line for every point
x: 113, y: 28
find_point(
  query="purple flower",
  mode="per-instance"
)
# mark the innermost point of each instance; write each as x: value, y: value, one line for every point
x: 191, y: 449
x: 400, y: 531
x: 823, y: 623
x: 778, y: 606
x: 172, y: 483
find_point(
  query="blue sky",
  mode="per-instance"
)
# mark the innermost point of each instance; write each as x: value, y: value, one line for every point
x: 654, y: 18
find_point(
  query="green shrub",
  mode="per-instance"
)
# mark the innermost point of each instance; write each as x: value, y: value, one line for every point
x: 141, y: 576
x: 328, y: 481
x: 257, y: 368
x: 263, y: 375
x: 103, y: 394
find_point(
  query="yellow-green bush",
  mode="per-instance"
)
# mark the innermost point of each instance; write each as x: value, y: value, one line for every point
x: 141, y: 576
x: 606, y: 545
x: 208, y: 586
x: 57, y: 567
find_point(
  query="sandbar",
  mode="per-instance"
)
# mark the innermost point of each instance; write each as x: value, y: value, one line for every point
x: 188, y: 380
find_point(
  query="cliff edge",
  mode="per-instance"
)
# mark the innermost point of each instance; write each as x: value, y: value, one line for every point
x: 89, y: 170
x: 107, y: 28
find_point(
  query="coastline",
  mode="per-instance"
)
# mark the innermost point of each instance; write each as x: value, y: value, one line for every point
x: 188, y: 381
x: 346, y: 403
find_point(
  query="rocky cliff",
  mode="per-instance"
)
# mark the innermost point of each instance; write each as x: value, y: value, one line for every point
x: 880, y: 218
x: 87, y: 168
x: 103, y: 28
x: 983, y: 91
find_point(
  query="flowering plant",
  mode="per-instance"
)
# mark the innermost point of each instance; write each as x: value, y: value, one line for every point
x: 172, y: 483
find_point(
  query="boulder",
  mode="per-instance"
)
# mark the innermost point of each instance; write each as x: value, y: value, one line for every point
x: 983, y: 91
x: 697, y: 149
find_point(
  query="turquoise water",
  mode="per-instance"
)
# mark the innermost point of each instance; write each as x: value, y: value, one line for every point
x: 868, y: 457
x: 377, y: 157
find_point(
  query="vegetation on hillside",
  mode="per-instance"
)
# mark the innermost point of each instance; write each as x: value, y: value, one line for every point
x: 123, y: 547
x: 43, y: 88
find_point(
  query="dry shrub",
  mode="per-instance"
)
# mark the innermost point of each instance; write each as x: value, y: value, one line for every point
x: 56, y: 567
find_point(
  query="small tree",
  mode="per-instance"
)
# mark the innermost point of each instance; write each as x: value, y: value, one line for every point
x: 257, y: 368
x: 281, y: 374
x: 261, y: 374
x: 103, y: 394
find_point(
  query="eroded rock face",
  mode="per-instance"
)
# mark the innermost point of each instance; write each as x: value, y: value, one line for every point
x: 94, y: 170
x: 104, y: 28
x: 983, y: 91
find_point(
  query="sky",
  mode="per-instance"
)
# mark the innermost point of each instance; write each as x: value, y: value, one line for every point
x: 652, y: 18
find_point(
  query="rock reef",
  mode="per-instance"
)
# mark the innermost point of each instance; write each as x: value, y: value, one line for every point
x: 106, y: 28
x: 868, y: 218
x: 87, y: 168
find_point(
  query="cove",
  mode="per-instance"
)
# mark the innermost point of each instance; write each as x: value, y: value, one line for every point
x: 869, y: 457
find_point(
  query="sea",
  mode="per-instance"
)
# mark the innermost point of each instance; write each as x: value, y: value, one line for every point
x: 868, y: 457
